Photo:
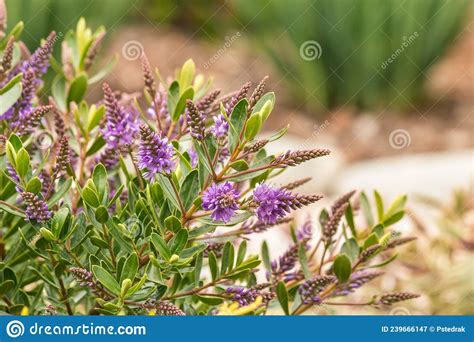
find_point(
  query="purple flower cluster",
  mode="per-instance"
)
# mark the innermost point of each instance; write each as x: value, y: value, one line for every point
x: 222, y: 199
x: 33, y: 69
x: 221, y: 126
x: 154, y: 153
x: 120, y: 125
x: 193, y: 156
x: 36, y: 209
x: 246, y: 297
x: 357, y: 279
x: 310, y: 289
x: 162, y: 106
x: 39, y: 60
x: 273, y: 203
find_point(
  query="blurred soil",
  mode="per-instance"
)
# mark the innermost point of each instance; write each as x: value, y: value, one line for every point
x: 444, y: 123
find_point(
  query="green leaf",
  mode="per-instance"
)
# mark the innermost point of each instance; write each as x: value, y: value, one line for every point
x: 10, y: 93
x: 351, y: 249
x: 235, y: 220
x: 190, y: 189
x: 192, y: 251
x: 371, y: 240
x: 266, y: 111
x: 58, y: 91
x: 263, y: 101
x: 197, y: 269
x: 397, y: 205
x: 34, y: 185
x: 22, y: 163
x: 94, y: 117
x: 161, y: 246
x: 282, y: 295
x: 227, y: 262
x: 342, y: 268
x: 179, y: 241
x: 11, y: 153
x: 241, y: 252
x: 102, y: 214
x: 239, y: 165
x: 349, y: 214
x: 130, y: 268
x: 168, y: 189
x: 278, y: 134
x: 173, y: 223
x: 210, y: 300
x: 186, y: 75
x: 181, y: 104
x: 100, y: 181
x: 385, y: 262
x: 394, y: 218
x: 47, y: 234
x: 126, y: 284
x: 266, y: 257
x: 59, y: 222
x: 254, y: 124
x: 237, y: 122
x: 213, y: 266
x: 90, y: 196
x: 364, y: 201
x: 96, y: 146
x: 173, y: 96
x: 304, y: 261
x: 77, y: 89
x: 106, y: 279
x: 6, y: 286
x: 104, y: 71
x: 379, y: 204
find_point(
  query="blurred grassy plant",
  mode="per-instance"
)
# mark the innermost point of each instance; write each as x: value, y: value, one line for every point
x: 44, y: 16
x: 356, y: 39
x: 444, y: 256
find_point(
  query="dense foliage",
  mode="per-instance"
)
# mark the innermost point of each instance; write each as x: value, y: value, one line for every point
x: 145, y: 205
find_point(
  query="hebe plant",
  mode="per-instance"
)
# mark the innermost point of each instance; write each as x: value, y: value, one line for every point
x: 148, y: 211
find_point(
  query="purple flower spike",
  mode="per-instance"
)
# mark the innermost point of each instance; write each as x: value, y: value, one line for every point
x: 273, y: 204
x: 154, y: 154
x: 120, y: 125
x: 221, y: 126
x: 222, y: 199
x: 36, y: 209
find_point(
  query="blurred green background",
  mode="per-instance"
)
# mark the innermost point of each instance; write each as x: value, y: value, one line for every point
x: 352, y: 40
